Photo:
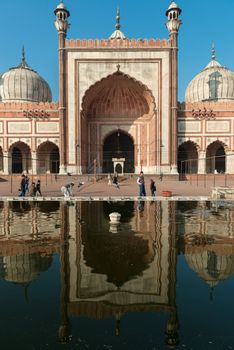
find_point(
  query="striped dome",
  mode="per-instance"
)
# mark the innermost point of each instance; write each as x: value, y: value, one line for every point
x: 22, y: 83
x: 214, y: 83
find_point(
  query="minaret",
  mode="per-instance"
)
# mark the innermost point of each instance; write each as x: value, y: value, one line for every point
x: 173, y: 25
x: 62, y: 25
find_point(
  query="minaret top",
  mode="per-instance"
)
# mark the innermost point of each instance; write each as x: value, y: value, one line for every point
x: 62, y: 14
x: 173, y: 18
x: 117, y: 33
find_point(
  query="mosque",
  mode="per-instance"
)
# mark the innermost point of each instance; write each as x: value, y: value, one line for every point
x: 118, y: 109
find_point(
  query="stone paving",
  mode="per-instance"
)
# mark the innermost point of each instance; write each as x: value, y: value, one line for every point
x: 193, y: 188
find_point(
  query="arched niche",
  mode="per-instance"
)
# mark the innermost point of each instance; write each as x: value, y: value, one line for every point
x: 116, y: 101
x: 187, y: 158
x: 118, y: 145
x: 216, y: 158
x: 48, y: 158
x: 20, y: 158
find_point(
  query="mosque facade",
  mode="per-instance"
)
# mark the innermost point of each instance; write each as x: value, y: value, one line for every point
x: 118, y: 109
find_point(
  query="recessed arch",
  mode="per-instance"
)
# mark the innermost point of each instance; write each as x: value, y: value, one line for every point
x: 118, y: 95
x: 188, y: 157
x: 120, y: 145
x: 116, y: 101
x: 48, y: 158
x: 216, y: 157
x: 20, y: 158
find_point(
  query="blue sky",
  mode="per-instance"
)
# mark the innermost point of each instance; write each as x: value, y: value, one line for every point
x: 30, y: 23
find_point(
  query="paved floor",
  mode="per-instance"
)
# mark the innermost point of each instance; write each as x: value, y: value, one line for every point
x: 51, y: 185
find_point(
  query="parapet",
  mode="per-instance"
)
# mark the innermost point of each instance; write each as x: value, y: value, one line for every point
x: 19, y: 106
x: 118, y: 43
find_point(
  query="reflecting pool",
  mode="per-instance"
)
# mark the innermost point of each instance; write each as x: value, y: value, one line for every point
x: 162, y: 278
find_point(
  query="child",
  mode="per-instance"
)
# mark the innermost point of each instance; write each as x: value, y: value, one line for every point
x: 38, y: 188
x: 152, y: 188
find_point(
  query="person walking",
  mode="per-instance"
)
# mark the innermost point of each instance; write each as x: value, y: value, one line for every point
x: 152, y: 188
x: 38, y: 188
x: 22, y: 186
x: 67, y: 189
x: 26, y: 183
x: 115, y: 180
x: 141, y: 184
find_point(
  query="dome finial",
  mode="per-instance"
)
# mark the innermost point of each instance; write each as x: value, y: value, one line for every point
x: 213, y: 52
x: 23, y: 57
x: 117, y: 26
x: 117, y: 33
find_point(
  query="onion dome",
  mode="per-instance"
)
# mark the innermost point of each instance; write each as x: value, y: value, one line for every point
x: 210, y: 266
x: 117, y: 33
x: 214, y: 83
x: 22, y: 83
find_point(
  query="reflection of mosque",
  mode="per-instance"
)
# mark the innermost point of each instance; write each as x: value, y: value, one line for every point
x: 106, y: 273
x: 26, y: 250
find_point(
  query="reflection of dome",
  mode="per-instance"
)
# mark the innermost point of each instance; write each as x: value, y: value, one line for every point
x: 121, y: 257
x: 210, y: 266
x: 24, y: 268
x: 22, y: 83
x: 214, y: 82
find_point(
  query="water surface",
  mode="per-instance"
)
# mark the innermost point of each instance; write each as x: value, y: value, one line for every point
x: 161, y: 279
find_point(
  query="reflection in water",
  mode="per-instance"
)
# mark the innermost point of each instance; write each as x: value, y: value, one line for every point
x: 107, y: 275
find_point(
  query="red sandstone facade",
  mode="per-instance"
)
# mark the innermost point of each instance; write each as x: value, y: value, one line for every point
x: 118, y: 110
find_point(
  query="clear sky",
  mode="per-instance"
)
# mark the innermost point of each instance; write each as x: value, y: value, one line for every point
x: 30, y: 23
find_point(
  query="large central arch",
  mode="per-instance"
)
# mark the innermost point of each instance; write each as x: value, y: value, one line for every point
x: 117, y: 102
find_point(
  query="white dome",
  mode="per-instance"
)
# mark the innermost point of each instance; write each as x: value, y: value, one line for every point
x: 214, y: 82
x: 22, y: 83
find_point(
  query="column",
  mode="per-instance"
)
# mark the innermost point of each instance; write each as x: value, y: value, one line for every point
x: 34, y: 163
x: 5, y: 163
x: 201, y: 162
x: 229, y: 163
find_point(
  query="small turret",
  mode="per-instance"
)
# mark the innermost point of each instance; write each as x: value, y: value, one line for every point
x: 174, y: 22
x: 62, y: 14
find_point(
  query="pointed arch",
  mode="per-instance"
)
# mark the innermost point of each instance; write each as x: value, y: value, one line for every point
x: 20, y: 158
x: 116, y: 100
x: 118, y: 144
x: 118, y: 94
x: 188, y: 157
x: 216, y: 157
x: 48, y: 158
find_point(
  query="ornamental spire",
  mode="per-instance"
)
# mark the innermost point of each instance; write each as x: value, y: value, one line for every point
x: 213, y: 52
x: 117, y: 26
x: 23, y: 57
x: 117, y: 33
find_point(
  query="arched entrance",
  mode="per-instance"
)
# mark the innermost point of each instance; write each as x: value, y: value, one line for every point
x: 17, y: 161
x: 118, y: 145
x: 20, y: 158
x: 215, y: 158
x: 118, y: 102
x: 48, y: 158
x: 187, y: 158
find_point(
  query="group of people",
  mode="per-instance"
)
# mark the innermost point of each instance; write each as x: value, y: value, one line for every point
x: 141, y: 184
x: 31, y: 189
